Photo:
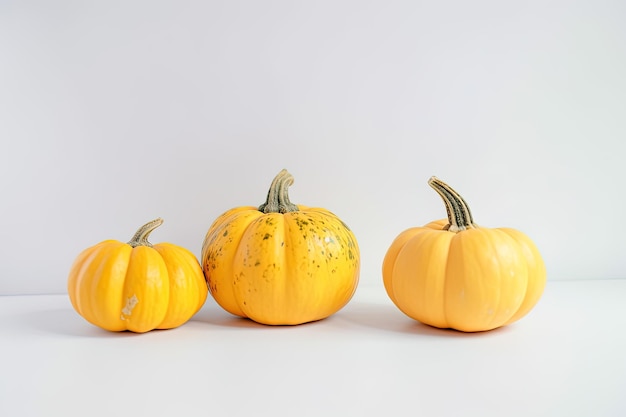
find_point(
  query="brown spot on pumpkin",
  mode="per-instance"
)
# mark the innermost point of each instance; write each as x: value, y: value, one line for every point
x: 266, y: 236
x: 225, y: 233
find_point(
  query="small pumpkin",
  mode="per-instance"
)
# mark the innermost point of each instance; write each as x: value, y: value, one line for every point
x: 454, y: 274
x: 280, y: 263
x: 137, y: 286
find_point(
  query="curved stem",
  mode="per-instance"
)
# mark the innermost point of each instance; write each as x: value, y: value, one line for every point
x: 141, y: 237
x: 278, y: 197
x: 459, y: 214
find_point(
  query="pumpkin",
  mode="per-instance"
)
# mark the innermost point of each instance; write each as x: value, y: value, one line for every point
x: 137, y: 286
x: 451, y: 273
x: 280, y: 263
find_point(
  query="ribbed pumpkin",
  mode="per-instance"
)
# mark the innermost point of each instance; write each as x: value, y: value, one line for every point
x: 454, y: 274
x: 137, y: 286
x: 280, y: 263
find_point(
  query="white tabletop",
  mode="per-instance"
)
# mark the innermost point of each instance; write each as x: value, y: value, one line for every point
x: 566, y: 358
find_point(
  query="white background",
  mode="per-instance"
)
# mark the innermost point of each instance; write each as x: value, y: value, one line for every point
x: 113, y: 113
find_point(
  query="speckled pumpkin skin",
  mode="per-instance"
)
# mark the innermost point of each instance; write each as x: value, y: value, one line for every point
x: 281, y: 268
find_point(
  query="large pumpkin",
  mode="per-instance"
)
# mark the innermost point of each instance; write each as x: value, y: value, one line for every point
x: 280, y: 263
x: 454, y: 274
x: 137, y: 286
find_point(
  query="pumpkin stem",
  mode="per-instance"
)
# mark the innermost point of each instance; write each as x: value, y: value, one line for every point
x: 459, y: 215
x: 277, y: 197
x: 141, y: 237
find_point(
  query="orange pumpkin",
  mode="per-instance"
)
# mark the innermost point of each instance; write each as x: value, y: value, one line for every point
x: 280, y: 263
x: 454, y: 274
x: 137, y: 286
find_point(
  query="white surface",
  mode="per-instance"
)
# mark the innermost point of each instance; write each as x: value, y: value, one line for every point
x: 113, y: 113
x: 565, y: 359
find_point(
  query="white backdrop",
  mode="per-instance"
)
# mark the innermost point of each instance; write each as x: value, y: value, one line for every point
x: 113, y: 113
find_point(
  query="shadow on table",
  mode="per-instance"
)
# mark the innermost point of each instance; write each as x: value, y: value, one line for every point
x: 378, y: 317
x: 65, y: 322
x: 215, y: 316
x: 388, y: 318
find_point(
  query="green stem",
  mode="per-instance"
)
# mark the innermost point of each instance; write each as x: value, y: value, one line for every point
x: 141, y: 237
x: 278, y: 197
x: 459, y: 214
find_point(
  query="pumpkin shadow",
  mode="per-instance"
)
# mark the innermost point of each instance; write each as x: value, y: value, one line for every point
x: 214, y: 315
x: 387, y: 318
x: 218, y: 318
x: 66, y: 322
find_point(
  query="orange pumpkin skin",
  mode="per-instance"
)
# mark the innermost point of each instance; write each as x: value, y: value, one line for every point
x: 472, y: 279
x: 136, y: 286
x: 287, y: 265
